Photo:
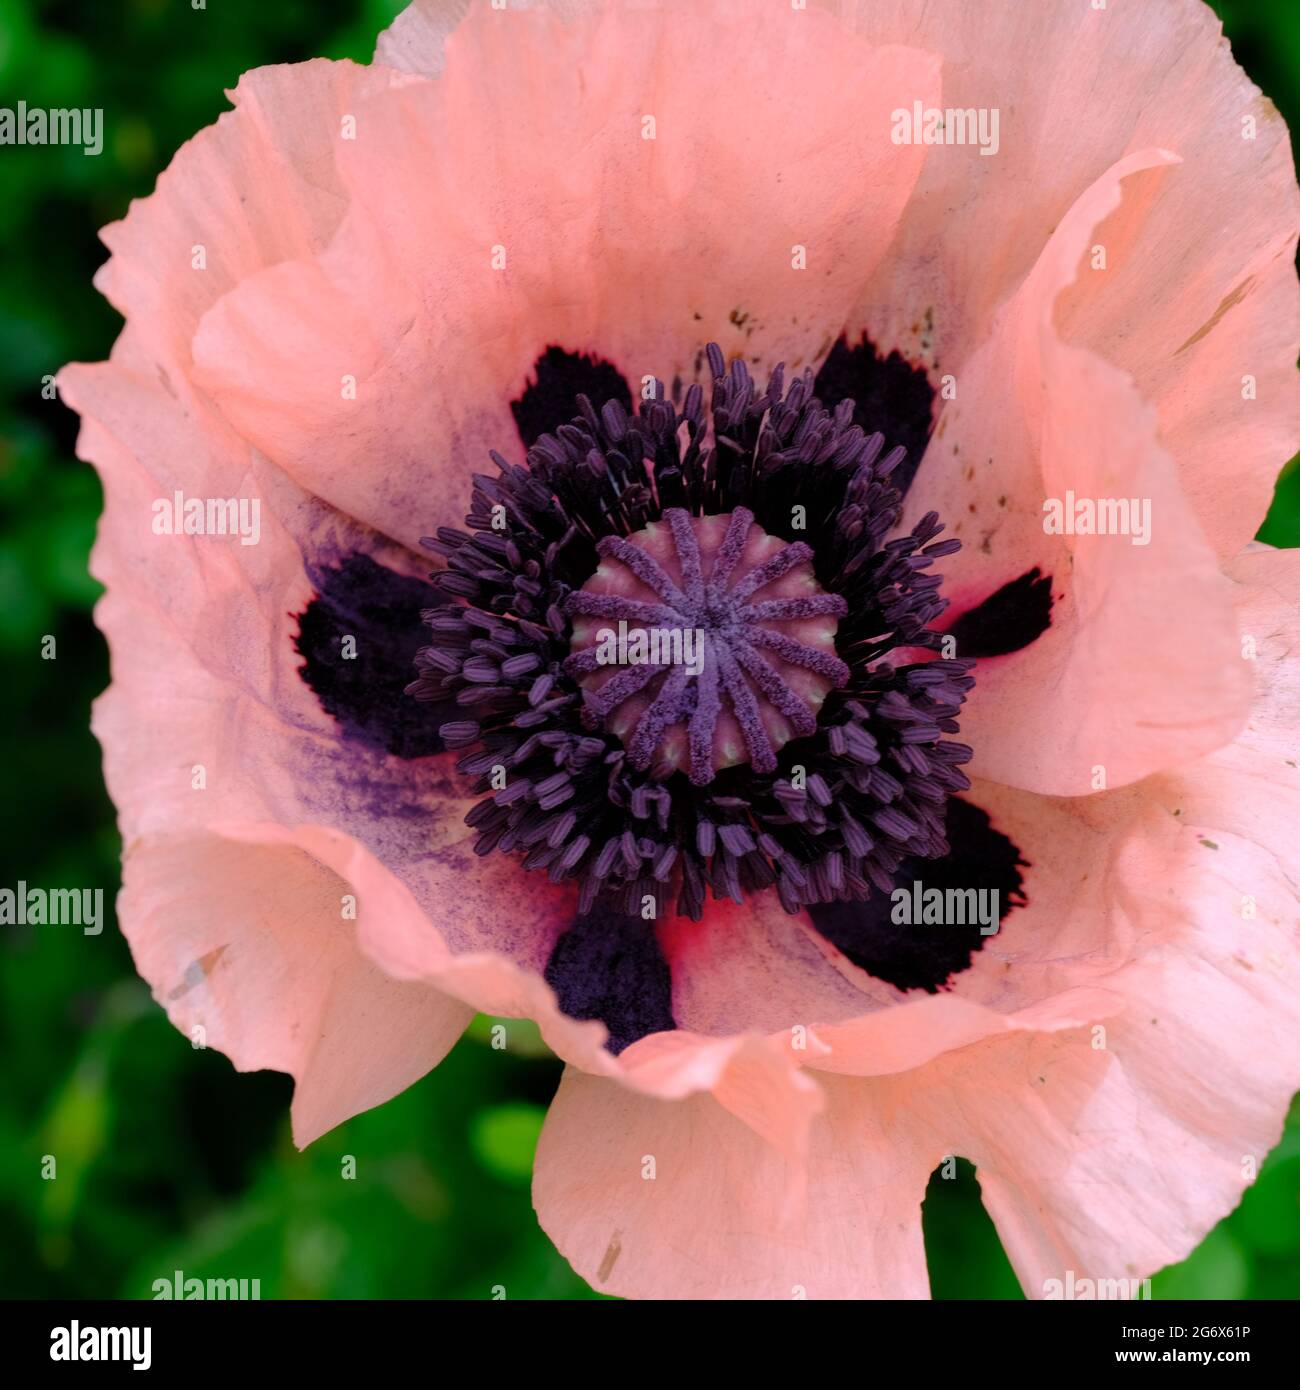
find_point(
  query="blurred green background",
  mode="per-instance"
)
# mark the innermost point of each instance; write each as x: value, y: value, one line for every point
x: 167, y: 1159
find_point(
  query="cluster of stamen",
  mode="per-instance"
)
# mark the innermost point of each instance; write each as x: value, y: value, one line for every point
x: 793, y: 755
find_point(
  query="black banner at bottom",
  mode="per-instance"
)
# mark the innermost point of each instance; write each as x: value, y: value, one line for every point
x: 171, y: 1338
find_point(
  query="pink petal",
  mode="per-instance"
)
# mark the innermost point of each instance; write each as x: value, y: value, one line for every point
x: 205, y: 672
x: 756, y: 967
x: 246, y: 943
x: 1140, y: 667
x: 205, y: 675
x: 257, y: 188
x: 1199, y: 288
x: 1107, y: 1153
x: 1116, y: 1160
x: 714, y: 1219
x: 414, y: 41
x: 639, y: 249
x: 1268, y: 615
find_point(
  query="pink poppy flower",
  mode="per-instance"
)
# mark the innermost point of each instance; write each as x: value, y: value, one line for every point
x: 693, y: 275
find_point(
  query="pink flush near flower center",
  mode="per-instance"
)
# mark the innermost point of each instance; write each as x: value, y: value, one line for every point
x: 703, y: 643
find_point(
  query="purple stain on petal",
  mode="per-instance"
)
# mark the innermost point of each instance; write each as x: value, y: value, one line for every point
x: 609, y: 966
x: 914, y: 955
x: 358, y: 638
x: 551, y: 398
x: 887, y: 393
x: 1009, y: 619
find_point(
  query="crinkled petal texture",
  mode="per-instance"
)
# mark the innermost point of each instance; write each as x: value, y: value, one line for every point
x: 1106, y: 695
x: 460, y: 259
x: 331, y: 300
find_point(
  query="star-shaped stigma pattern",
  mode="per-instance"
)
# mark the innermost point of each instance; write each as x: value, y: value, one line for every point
x: 724, y: 666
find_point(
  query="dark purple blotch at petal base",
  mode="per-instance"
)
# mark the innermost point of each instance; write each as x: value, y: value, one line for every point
x: 609, y: 966
x: 551, y: 398
x: 1009, y: 619
x: 380, y: 609
x: 889, y: 394
x: 913, y: 955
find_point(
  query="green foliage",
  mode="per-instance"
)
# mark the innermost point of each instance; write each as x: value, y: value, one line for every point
x: 166, y: 1158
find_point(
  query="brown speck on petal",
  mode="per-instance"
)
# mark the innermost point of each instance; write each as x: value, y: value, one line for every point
x: 611, y: 1258
x: 196, y: 972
